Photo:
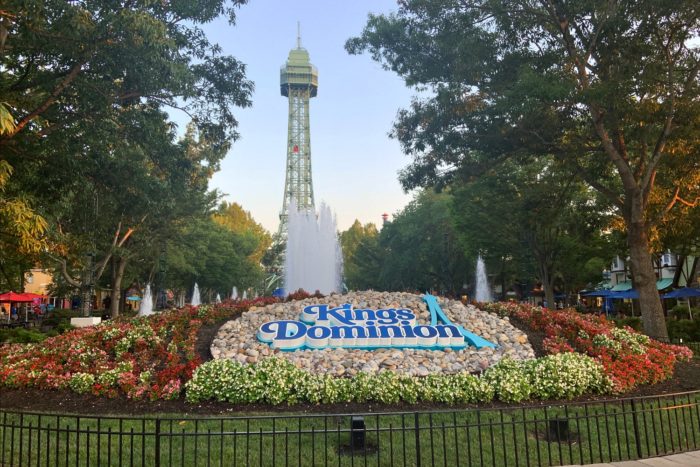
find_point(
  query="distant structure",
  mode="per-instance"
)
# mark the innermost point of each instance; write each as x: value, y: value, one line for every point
x: 385, y: 218
x: 299, y: 83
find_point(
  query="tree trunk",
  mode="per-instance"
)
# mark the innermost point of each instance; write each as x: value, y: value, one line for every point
x: 503, y: 278
x: 548, y: 285
x: 645, y: 281
x: 85, y: 301
x: 117, y: 275
x: 544, y: 264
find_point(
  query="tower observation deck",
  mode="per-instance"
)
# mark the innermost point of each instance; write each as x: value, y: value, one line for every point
x: 299, y: 83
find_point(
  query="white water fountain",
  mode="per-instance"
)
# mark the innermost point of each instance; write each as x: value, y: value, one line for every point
x: 146, y: 307
x: 483, y: 291
x: 196, y: 300
x: 218, y: 298
x: 244, y: 296
x: 234, y: 293
x: 313, y: 258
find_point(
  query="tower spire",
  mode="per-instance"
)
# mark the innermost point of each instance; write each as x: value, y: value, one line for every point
x: 298, y: 35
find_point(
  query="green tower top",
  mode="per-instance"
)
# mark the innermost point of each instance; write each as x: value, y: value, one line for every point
x: 298, y: 72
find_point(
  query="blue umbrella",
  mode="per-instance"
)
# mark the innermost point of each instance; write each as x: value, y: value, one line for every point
x: 597, y: 293
x: 683, y: 292
x: 631, y: 293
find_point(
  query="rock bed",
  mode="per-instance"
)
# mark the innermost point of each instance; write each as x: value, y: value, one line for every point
x: 236, y: 338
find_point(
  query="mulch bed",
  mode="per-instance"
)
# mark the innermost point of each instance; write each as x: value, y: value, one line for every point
x: 685, y: 378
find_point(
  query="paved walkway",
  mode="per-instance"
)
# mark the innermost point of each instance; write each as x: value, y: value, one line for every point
x: 689, y: 458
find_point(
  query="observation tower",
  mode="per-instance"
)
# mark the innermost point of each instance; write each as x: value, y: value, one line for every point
x: 299, y: 83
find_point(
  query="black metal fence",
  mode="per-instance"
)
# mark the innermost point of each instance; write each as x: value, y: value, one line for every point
x: 571, y: 433
x: 694, y: 346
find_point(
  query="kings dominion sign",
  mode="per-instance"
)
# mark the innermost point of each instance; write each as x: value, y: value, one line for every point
x: 320, y: 326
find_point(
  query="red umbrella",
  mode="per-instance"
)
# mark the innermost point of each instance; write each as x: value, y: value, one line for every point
x: 14, y: 297
x: 36, y: 297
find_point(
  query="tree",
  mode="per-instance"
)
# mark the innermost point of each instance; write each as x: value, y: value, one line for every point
x: 21, y: 228
x: 72, y: 64
x: 420, y: 249
x: 609, y: 88
x: 356, y: 243
x: 543, y: 216
x: 233, y: 217
x: 213, y: 256
x: 85, y: 86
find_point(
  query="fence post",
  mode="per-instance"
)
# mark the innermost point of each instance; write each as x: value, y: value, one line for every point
x: 416, y: 426
x: 157, y: 463
x: 637, y: 438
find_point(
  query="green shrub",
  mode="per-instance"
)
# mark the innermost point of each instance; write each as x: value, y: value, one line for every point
x: 21, y: 336
x: 684, y: 329
x: 509, y: 380
x: 635, y: 322
x: 81, y: 382
x: 566, y: 375
x: 63, y: 327
x: 277, y: 381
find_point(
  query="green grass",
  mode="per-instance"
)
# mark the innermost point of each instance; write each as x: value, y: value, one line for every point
x: 508, y: 437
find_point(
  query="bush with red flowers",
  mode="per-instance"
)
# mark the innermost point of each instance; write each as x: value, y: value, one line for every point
x: 141, y: 357
x: 629, y: 358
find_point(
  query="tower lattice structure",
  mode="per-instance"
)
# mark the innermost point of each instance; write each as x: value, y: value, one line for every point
x: 299, y: 83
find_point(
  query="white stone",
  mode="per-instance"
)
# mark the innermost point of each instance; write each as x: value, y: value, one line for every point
x: 85, y: 322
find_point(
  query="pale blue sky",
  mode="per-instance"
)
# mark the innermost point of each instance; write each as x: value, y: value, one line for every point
x: 354, y: 162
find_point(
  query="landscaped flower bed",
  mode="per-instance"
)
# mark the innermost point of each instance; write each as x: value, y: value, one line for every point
x: 142, y: 357
x: 629, y: 358
x: 155, y: 358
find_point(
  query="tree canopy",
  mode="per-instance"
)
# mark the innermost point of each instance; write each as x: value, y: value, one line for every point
x: 608, y: 88
x: 95, y: 175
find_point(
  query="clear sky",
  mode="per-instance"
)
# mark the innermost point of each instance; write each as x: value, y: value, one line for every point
x: 354, y: 162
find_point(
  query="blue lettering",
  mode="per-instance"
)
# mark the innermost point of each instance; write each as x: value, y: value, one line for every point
x: 318, y: 332
x: 321, y: 327
x: 286, y: 330
x: 387, y: 316
x: 425, y: 331
x: 311, y: 313
x: 442, y: 330
x: 340, y: 315
x: 407, y: 330
x: 364, y: 315
x: 403, y: 313
x: 372, y: 332
x: 347, y: 332
x: 390, y: 331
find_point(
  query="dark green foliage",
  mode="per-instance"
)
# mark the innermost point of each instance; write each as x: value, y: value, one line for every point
x: 684, y: 329
x: 214, y: 256
x: 682, y: 312
x: 609, y: 90
x: 90, y: 86
x: 20, y: 336
x: 417, y: 250
x: 635, y: 322
x: 360, y: 250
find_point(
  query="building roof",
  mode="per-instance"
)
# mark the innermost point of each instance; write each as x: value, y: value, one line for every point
x: 627, y: 285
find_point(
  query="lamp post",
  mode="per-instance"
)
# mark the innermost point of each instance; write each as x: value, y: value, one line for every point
x: 161, y: 294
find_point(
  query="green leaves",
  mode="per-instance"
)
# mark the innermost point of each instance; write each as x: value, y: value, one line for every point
x: 86, y: 90
x: 7, y: 122
x: 276, y: 380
